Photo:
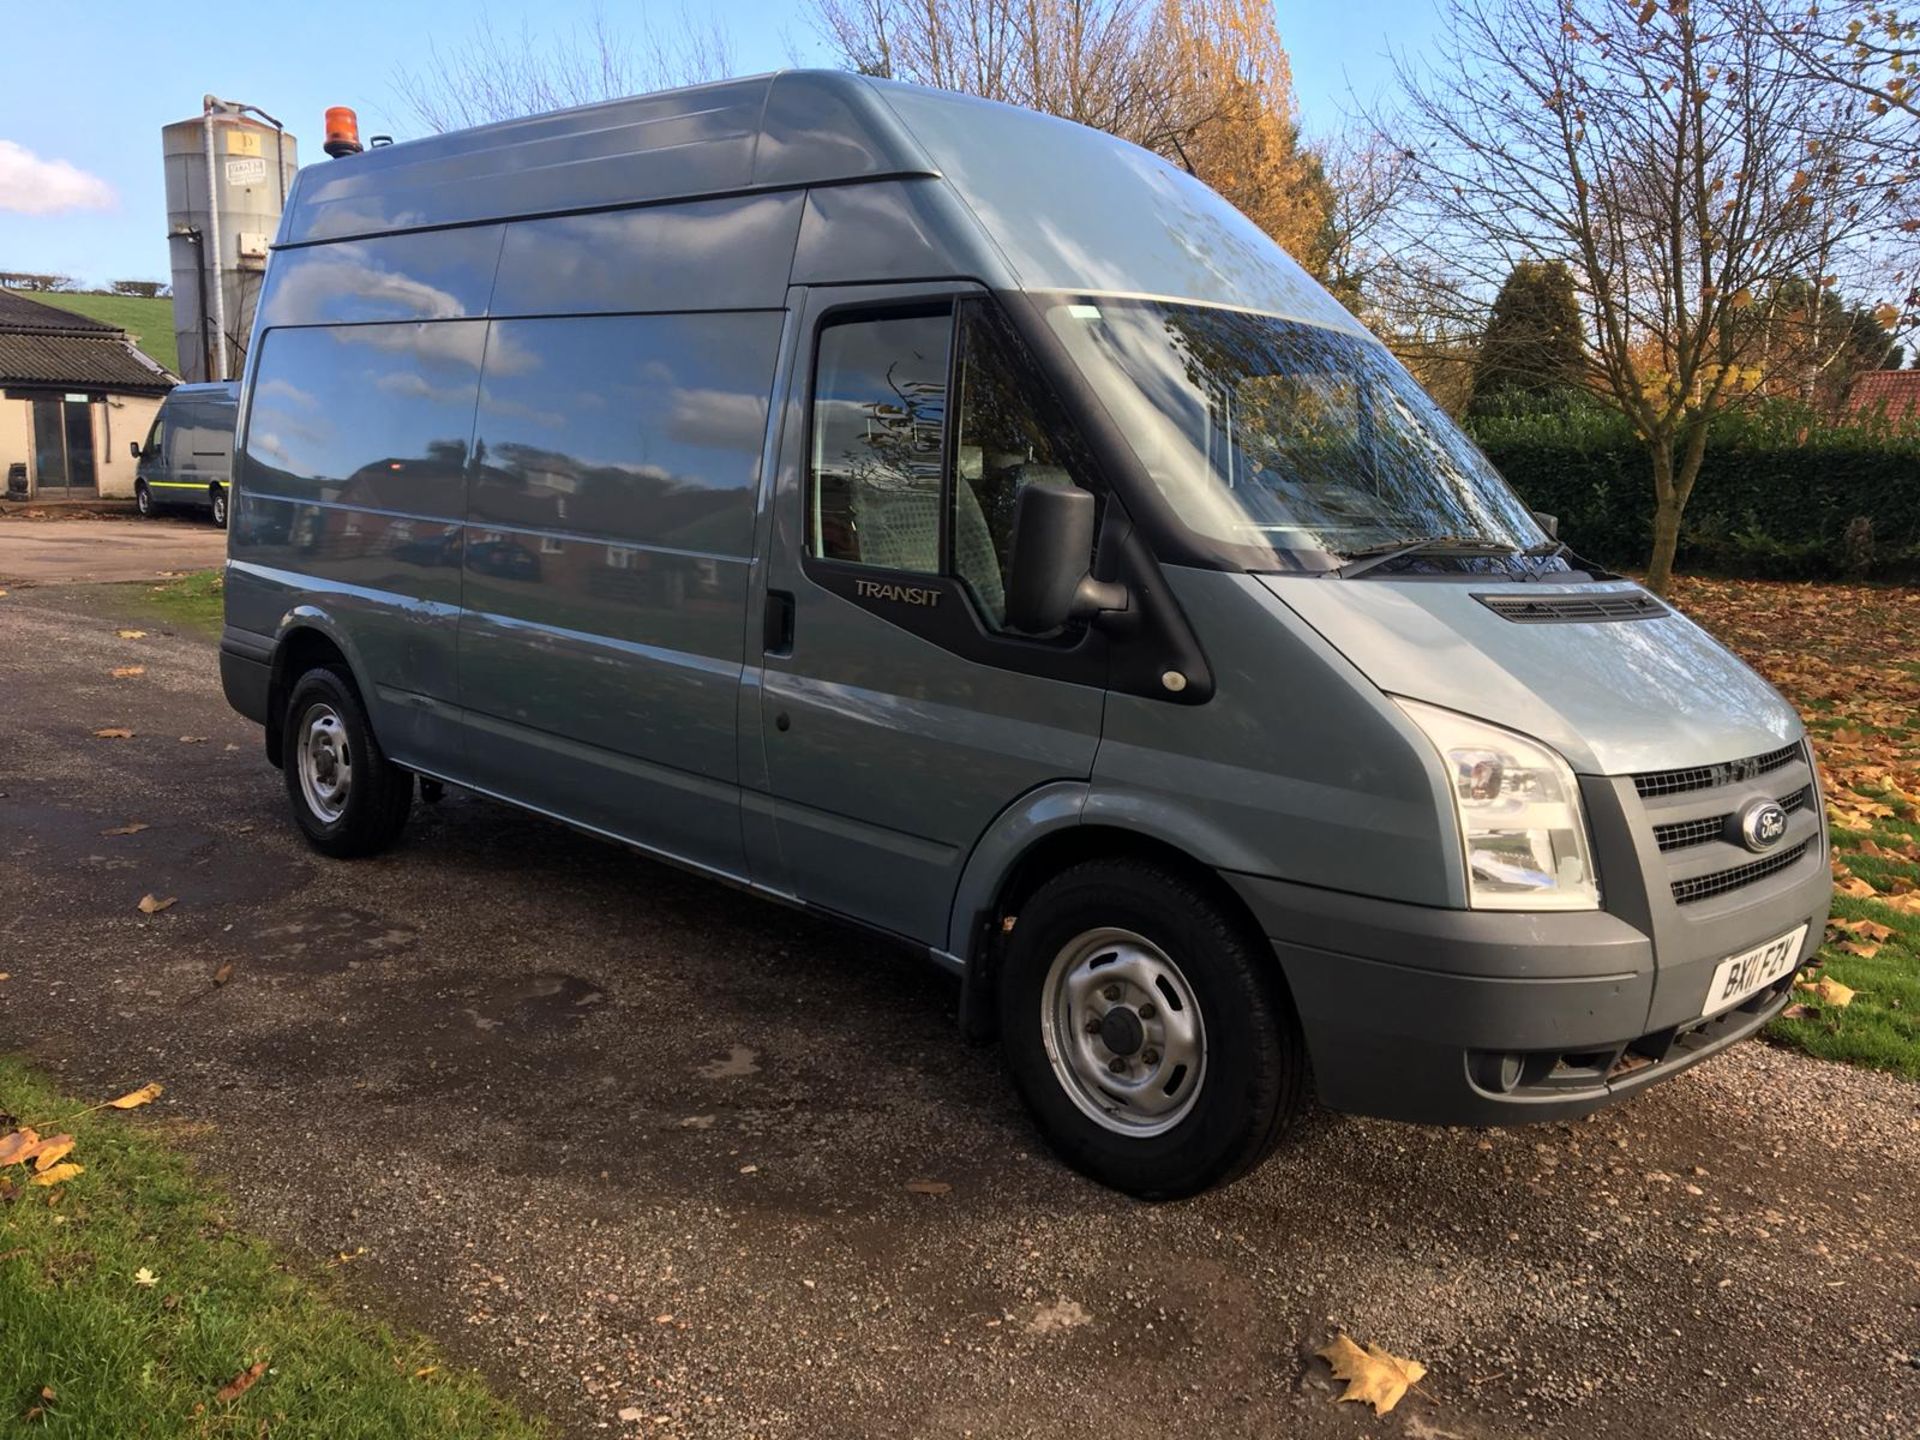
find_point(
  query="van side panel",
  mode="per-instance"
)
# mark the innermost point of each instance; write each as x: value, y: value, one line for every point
x: 729, y: 254
x: 610, y: 524
x: 352, y: 499
x: 443, y: 276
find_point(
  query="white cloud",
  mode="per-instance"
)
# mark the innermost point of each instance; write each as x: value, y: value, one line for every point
x: 33, y: 186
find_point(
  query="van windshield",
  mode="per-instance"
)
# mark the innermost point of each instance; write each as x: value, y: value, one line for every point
x: 1282, y: 443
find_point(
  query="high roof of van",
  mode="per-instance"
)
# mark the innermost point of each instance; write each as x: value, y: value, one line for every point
x: 767, y: 132
x: 1060, y: 207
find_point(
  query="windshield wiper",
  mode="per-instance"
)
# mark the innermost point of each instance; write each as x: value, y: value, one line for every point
x: 1373, y: 556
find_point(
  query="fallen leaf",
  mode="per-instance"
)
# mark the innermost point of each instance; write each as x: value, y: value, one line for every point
x: 21, y: 1145
x: 223, y: 974
x: 150, y: 905
x: 113, y: 732
x: 1373, y: 1376
x: 59, y: 1174
x: 241, y: 1383
x: 1797, y: 1011
x: 424, y: 1371
x: 127, y: 672
x: 1828, y: 989
x: 1865, y: 949
x: 1868, y: 929
x: 133, y: 1099
x: 1854, y: 888
x: 928, y: 1187
x: 51, y: 1151
x: 144, y: 1276
x: 132, y: 827
x: 131, y: 634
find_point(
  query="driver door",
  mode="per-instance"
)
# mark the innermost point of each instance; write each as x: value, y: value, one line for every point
x: 898, y: 716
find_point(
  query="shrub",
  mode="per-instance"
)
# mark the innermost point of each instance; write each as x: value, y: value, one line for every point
x: 1782, y: 494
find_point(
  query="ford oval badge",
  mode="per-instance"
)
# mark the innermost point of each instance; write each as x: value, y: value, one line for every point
x: 1762, y: 824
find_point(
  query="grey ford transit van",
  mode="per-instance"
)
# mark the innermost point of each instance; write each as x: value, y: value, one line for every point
x: 187, y: 457
x: 966, y: 524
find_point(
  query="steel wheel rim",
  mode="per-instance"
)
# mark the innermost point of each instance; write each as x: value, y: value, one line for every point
x: 219, y: 509
x: 326, y: 762
x: 1161, y: 1049
x: 143, y: 500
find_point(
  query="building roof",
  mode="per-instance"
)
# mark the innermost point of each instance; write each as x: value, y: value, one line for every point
x: 1897, y: 392
x: 45, y: 348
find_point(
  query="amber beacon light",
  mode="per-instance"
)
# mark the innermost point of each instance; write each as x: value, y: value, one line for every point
x: 343, y: 131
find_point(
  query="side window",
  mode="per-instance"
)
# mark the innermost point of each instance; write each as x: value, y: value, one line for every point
x: 886, y: 489
x: 1005, y: 443
x: 150, y: 450
x: 879, y: 441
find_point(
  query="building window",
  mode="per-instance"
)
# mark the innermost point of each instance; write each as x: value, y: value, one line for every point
x: 63, y: 452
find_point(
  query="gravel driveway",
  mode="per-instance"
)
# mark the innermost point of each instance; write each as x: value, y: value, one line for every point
x: 633, y: 1143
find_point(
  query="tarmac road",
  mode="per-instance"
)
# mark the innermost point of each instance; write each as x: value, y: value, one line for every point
x: 55, y: 551
x: 630, y: 1141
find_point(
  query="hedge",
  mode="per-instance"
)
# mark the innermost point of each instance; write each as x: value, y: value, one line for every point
x: 1779, y: 495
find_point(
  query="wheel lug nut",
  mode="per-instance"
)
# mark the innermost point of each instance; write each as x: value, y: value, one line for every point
x: 1093, y: 1024
x: 1150, y: 1057
x: 1147, y: 1012
x: 1117, y: 1065
x: 1112, y: 992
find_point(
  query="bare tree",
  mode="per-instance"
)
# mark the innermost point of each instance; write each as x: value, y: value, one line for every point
x: 490, y: 75
x: 1664, y: 155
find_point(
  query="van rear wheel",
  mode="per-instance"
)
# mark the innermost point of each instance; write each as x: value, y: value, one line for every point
x: 348, y: 799
x: 217, y: 494
x: 1150, y: 1037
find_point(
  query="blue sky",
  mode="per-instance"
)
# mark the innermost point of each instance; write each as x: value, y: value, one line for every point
x: 100, y: 215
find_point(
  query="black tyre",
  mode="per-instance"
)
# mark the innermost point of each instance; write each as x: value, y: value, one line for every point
x: 1151, y: 1037
x: 143, y: 499
x: 348, y: 798
x: 217, y: 494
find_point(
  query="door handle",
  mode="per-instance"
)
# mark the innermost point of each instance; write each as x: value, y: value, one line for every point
x: 776, y: 631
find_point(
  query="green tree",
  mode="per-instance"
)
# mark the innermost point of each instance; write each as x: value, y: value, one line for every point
x: 1532, y: 353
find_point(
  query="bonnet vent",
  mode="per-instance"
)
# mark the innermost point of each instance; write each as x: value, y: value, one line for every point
x: 1574, y: 609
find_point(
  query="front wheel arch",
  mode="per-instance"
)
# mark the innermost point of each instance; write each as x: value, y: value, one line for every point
x: 1053, y: 853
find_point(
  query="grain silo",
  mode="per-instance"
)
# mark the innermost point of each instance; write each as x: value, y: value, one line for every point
x: 221, y: 229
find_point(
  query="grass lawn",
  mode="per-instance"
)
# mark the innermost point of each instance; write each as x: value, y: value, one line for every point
x: 195, y: 600
x: 129, y: 1306
x: 149, y: 322
x: 1849, y: 657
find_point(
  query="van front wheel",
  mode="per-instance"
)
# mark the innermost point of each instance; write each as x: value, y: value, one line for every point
x: 348, y: 799
x: 1149, y: 1035
x: 143, y: 499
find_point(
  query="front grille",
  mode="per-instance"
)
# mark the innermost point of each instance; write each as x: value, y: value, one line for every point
x: 1679, y: 834
x: 1573, y: 609
x: 1707, y: 777
x: 1700, y: 887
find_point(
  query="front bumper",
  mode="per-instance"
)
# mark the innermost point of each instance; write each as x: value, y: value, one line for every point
x: 1464, y: 1017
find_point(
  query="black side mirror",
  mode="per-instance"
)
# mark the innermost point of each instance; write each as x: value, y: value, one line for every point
x: 134, y: 446
x: 1548, y: 523
x: 1047, y: 580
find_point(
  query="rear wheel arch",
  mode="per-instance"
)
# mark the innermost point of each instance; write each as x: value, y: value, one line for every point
x: 300, y: 649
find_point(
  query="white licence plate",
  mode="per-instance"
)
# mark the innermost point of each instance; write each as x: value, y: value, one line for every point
x: 1738, y: 976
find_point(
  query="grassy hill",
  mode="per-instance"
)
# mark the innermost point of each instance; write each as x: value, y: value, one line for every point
x: 149, y: 322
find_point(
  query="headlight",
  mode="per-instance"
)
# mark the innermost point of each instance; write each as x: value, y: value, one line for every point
x: 1521, y: 821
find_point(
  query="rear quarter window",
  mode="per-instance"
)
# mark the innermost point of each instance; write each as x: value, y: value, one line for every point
x: 377, y: 416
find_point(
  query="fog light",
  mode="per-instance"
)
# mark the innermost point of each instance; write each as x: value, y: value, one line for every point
x: 1498, y: 1070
